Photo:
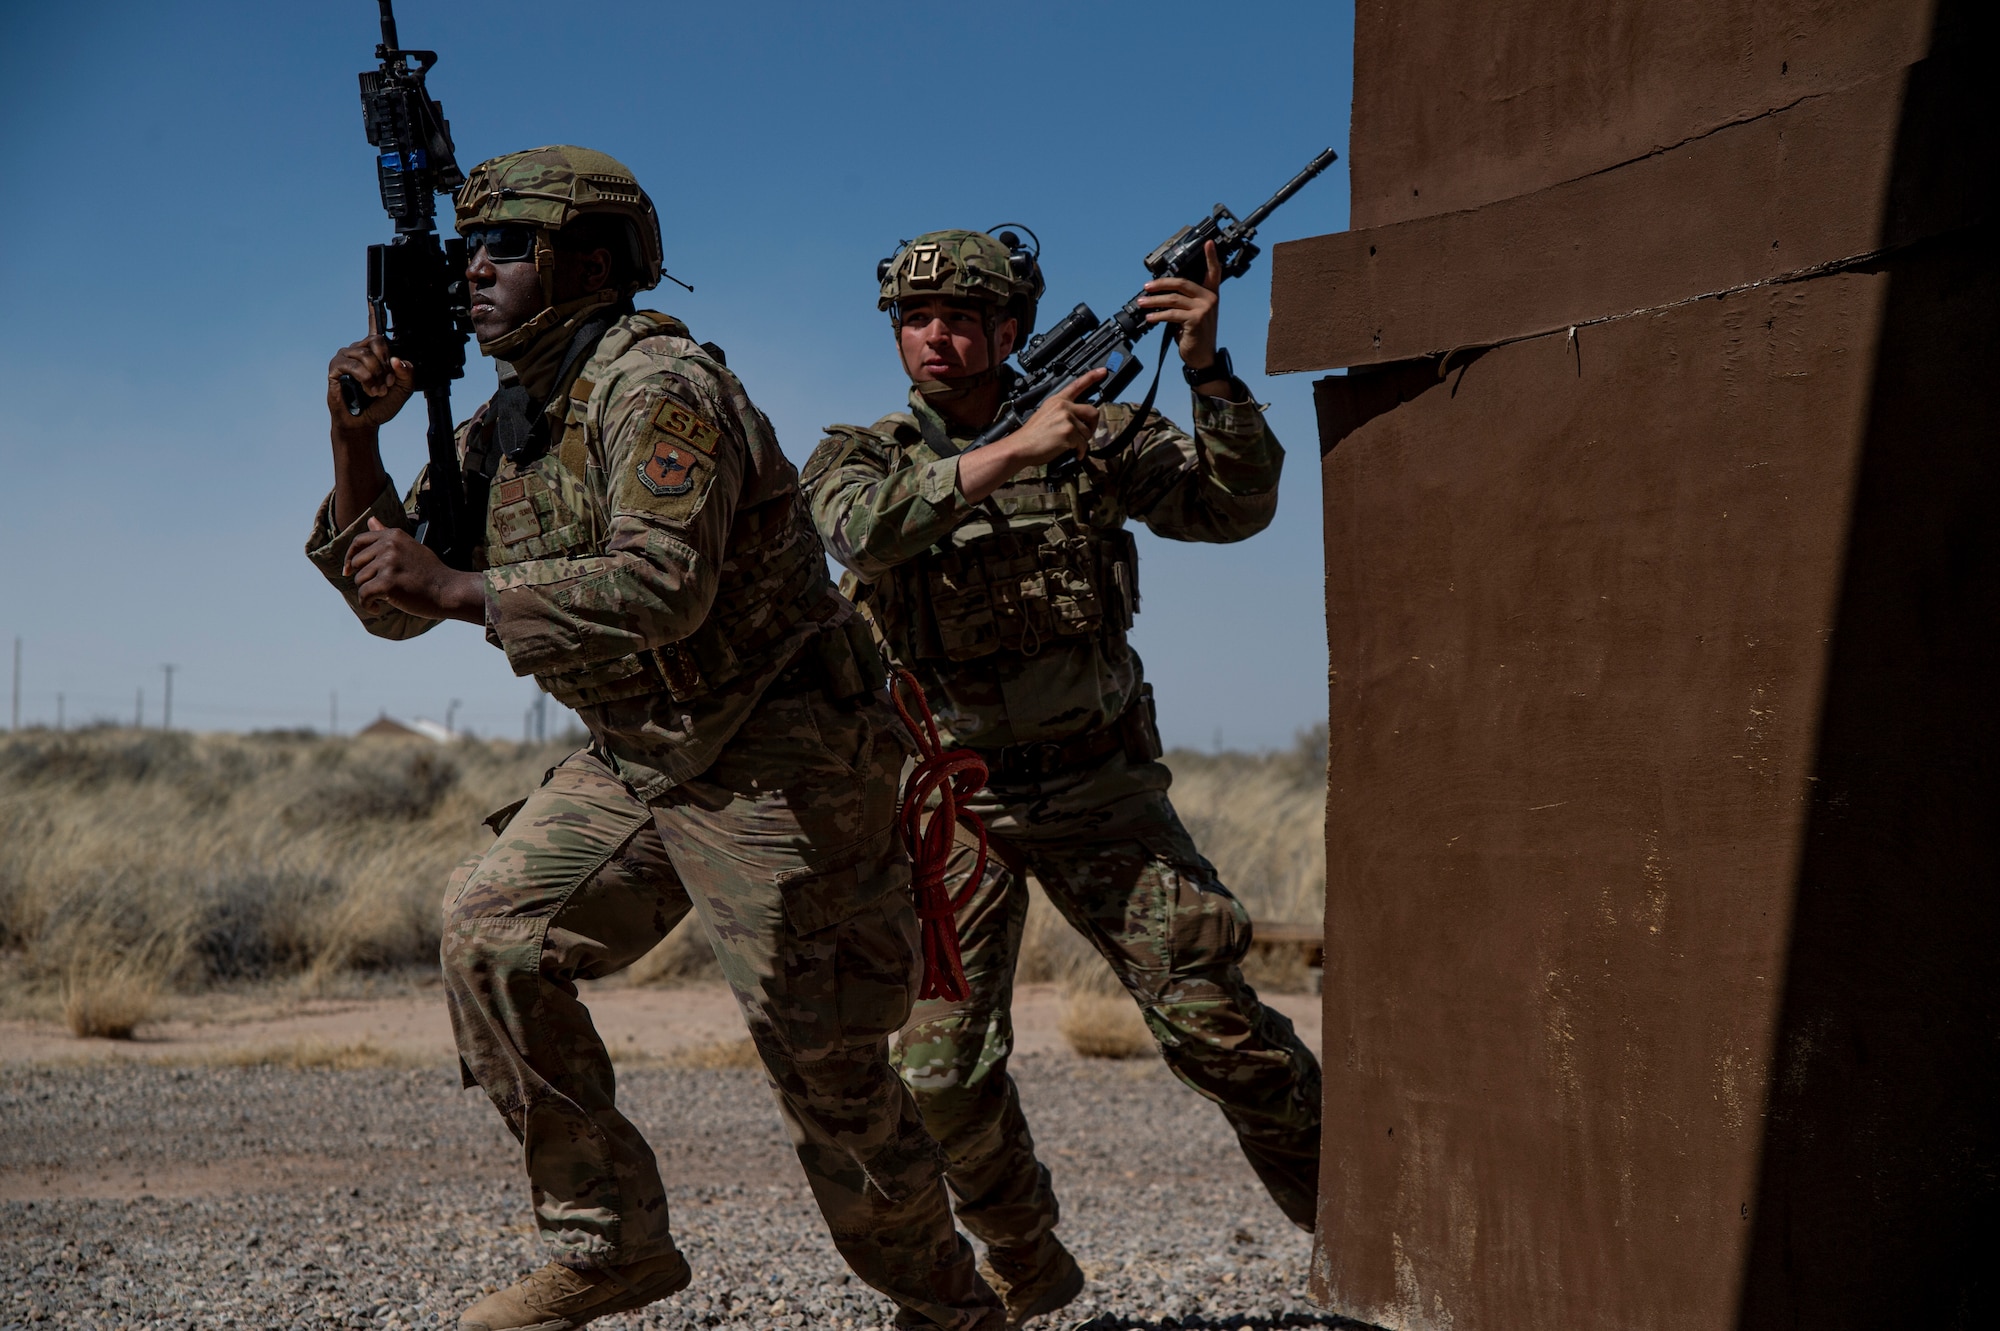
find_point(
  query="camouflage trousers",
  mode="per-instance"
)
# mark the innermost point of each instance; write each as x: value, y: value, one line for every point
x: 786, y: 850
x: 1112, y: 856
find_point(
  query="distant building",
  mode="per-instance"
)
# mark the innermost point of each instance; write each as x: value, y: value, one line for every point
x: 386, y: 726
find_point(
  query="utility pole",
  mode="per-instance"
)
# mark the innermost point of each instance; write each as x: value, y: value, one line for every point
x: 167, y: 721
x: 450, y: 712
x: 16, y: 726
x: 139, y: 710
x: 59, y: 713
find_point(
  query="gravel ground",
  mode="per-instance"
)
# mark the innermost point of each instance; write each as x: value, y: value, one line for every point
x: 269, y: 1197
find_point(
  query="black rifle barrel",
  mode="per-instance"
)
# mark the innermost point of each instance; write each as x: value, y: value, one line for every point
x: 1291, y: 187
x: 389, y: 27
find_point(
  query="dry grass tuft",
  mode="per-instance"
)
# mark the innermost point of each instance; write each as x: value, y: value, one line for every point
x: 1101, y: 1025
x: 108, y: 1002
x: 317, y: 1054
x: 720, y: 1056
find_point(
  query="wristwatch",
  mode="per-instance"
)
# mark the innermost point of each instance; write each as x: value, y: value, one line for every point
x: 1221, y: 368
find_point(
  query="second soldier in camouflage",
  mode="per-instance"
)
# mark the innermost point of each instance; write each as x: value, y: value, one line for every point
x: 1010, y: 596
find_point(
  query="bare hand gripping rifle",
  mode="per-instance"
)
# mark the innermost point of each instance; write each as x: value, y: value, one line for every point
x: 417, y: 292
x: 1080, y: 342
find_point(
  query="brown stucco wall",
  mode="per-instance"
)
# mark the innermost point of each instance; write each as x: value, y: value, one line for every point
x: 1663, y: 577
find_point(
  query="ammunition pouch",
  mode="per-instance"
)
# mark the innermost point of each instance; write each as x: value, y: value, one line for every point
x: 1013, y: 590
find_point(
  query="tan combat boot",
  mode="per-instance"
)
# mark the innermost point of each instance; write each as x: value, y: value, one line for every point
x: 557, y: 1297
x: 1034, y: 1280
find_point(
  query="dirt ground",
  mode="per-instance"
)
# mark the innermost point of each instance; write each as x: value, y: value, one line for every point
x: 695, y: 1025
x: 313, y: 1162
x: 640, y: 1024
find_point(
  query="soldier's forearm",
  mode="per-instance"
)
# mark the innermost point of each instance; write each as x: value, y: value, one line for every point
x: 358, y: 473
x: 1242, y: 454
x: 560, y: 613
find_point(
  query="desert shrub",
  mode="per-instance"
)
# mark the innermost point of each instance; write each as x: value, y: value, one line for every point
x: 398, y: 780
x: 86, y: 760
x: 236, y: 857
x: 226, y: 857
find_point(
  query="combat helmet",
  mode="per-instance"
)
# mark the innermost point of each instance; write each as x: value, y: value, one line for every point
x: 992, y: 268
x: 548, y: 188
x: 996, y: 270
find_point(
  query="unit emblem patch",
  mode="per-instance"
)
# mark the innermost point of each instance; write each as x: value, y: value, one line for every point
x: 670, y: 469
x: 675, y: 455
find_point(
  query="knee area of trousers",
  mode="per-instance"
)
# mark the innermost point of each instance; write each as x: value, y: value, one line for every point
x: 490, y: 947
x: 943, y: 1051
x: 1195, y: 1023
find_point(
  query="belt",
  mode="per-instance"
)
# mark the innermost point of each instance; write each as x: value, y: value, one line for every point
x: 1037, y: 762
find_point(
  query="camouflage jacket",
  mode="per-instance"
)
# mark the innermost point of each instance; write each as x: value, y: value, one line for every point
x: 1013, y: 611
x: 655, y: 567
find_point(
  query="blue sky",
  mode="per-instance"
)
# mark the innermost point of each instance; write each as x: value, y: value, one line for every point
x: 181, y: 250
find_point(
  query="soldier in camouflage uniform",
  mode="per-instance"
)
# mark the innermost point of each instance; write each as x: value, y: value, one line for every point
x: 1010, y: 596
x: 649, y: 559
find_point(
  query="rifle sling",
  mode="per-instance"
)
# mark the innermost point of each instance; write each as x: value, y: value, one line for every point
x: 1145, y: 407
x: 935, y: 435
x: 519, y: 429
x: 510, y: 429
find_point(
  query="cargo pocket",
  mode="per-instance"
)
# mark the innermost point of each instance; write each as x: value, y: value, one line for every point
x: 878, y: 964
x: 1207, y: 926
x: 846, y: 882
x: 454, y: 886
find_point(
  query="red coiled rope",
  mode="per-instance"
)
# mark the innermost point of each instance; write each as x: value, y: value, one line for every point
x: 952, y: 775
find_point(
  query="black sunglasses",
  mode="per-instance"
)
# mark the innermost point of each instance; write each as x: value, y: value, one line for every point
x: 504, y: 242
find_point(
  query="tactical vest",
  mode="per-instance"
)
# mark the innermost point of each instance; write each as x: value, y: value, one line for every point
x: 556, y: 504
x: 1042, y: 574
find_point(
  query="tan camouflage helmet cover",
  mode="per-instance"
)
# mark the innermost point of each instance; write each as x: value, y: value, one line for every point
x: 551, y: 187
x: 966, y: 265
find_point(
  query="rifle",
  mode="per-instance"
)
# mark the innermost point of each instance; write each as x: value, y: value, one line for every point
x: 417, y: 292
x: 1080, y: 342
